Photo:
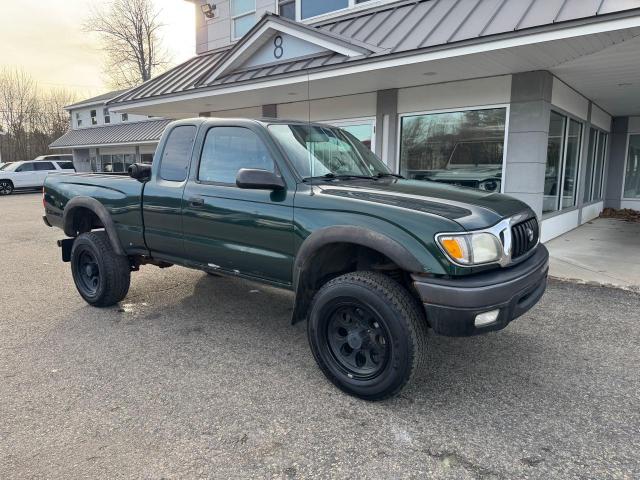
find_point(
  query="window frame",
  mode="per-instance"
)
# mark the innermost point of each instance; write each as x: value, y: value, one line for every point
x: 124, y: 117
x: 233, y: 19
x: 506, y: 106
x: 352, y: 7
x: 93, y: 114
x: 563, y: 163
x: 295, y: 7
x: 196, y: 177
x: 624, y: 168
x: 599, y: 133
x: 106, y: 114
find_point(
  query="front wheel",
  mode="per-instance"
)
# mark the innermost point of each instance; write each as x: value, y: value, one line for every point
x: 367, y: 334
x: 101, y: 276
x: 6, y: 187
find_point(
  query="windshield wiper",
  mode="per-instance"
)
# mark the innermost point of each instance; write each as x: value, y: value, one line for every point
x: 333, y: 176
x: 387, y: 174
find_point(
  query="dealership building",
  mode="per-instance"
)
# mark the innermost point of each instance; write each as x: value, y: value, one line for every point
x: 538, y: 99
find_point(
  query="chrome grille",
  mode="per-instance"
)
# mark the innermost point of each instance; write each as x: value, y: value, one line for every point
x: 524, y: 236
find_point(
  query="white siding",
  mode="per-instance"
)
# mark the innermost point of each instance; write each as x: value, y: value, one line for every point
x: 215, y: 33
x: 335, y: 108
x: 558, y: 224
x: 85, y: 116
x: 249, y: 112
x: 591, y: 211
x: 600, y: 118
x: 569, y: 100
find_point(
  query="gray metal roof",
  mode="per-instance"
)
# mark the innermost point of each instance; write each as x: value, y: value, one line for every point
x: 407, y: 26
x: 122, y: 133
x: 96, y: 100
x: 178, y: 79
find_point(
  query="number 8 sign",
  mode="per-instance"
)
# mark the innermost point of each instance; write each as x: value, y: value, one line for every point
x: 278, y: 51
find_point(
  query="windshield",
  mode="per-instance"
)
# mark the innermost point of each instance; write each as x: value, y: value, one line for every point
x: 10, y: 167
x: 317, y: 151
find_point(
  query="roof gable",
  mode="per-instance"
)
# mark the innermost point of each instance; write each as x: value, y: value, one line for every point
x: 274, y: 40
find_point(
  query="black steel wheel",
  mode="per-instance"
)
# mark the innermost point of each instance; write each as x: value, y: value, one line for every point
x: 88, y: 272
x: 102, y: 277
x: 367, y: 334
x: 358, y: 339
x: 6, y: 187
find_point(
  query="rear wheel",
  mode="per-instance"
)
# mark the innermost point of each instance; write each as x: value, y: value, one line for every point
x: 367, y: 334
x: 6, y: 187
x: 102, y: 277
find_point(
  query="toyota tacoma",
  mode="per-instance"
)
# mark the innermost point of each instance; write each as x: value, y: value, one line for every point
x: 374, y: 260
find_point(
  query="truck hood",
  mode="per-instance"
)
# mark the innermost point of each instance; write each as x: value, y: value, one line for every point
x: 472, y: 209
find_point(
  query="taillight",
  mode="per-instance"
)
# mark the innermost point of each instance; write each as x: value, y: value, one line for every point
x: 44, y: 204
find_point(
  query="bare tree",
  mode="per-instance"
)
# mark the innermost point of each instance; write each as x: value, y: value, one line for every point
x: 30, y: 118
x: 130, y: 34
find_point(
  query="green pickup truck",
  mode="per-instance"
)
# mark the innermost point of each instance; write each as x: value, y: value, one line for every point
x: 374, y: 260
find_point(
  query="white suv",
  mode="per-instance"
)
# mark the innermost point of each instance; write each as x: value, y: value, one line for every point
x: 29, y: 174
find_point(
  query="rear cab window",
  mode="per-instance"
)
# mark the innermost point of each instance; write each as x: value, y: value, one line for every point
x: 176, y: 155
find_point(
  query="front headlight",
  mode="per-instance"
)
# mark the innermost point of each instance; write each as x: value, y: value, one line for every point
x: 471, y: 248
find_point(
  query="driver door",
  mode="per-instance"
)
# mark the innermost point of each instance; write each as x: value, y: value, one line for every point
x: 243, y: 231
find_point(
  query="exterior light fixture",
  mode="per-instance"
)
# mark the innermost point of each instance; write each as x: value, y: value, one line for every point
x: 208, y: 9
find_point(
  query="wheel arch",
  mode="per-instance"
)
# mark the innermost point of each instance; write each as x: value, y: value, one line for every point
x: 79, y: 207
x: 308, y: 265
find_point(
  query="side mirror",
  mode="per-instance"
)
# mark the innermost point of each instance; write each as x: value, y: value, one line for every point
x: 140, y: 171
x: 258, y: 179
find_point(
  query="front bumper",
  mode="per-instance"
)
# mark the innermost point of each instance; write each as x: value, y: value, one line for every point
x: 452, y: 304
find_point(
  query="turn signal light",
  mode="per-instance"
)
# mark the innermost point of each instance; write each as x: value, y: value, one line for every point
x: 454, y: 247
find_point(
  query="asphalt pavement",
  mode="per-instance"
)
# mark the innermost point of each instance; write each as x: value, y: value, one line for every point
x: 196, y: 376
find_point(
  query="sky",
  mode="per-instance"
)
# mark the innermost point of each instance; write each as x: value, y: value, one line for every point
x: 45, y: 39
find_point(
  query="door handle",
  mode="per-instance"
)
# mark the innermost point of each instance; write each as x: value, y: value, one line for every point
x: 196, y: 202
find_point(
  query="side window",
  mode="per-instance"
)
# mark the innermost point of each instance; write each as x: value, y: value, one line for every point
x: 44, y: 166
x: 66, y: 165
x: 25, y: 167
x: 228, y: 149
x: 177, y: 153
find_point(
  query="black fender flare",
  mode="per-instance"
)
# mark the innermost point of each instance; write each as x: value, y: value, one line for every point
x: 365, y: 237
x: 101, y: 212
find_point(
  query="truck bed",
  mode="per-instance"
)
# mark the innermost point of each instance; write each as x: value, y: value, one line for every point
x: 120, y: 195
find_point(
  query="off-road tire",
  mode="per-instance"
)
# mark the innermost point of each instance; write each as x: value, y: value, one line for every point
x: 402, y: 318
x: 113, y: 270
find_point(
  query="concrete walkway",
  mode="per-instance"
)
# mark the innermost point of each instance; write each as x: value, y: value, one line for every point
x: 604, y: 251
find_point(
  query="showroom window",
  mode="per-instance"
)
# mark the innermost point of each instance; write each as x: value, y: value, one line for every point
x: 464, y: 148
x: 363, y: 129
x: 563, y: 163
x: 632, y: 169
x: 594, y: 166
x: 243, y: 17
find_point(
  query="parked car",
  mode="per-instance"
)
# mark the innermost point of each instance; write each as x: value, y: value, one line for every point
x: 66, y: 157
x: 373, y: 259
x: 469, y: 165
x: 29, y: 174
